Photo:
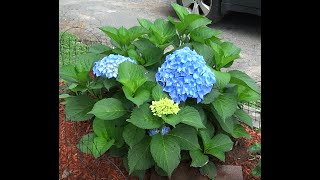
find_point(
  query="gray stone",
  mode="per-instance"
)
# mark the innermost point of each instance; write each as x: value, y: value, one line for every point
x: 229, y: 172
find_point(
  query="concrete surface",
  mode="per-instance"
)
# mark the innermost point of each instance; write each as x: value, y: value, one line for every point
x: 229, y: 172
x: 241, y: 29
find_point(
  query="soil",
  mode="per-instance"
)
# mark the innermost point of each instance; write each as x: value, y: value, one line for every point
x: 74, y: 164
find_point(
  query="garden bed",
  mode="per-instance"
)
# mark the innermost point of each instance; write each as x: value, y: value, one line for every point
x: 74, y: 164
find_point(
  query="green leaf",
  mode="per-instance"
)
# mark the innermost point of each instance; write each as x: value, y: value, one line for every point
x: 158, y: 93
x: 132, y: 134
x: 211, y: 96
x: 114, y: 129
x: 226, y: 124
x: 85, y: 144
x: 218, y: 145
x: 136, y: 31
x: 239, y: 131
x: 217, y: 54
x: 209, y: 170
x: 244, y: 117
x: 131, y: 75
x: 255, y: 148
x: 112, y: 32
x: 165, y: 152
x: 99, y: 128
x: 180, y: 10
x: 143, y: 44
x: 100, y: 49
x: 139, y: 156
x: 100, y: 146
x: 195, y: 20
x: 185, y: 136
x: 142, y: 117
x: 108, y: 109
x: 163, y: 30
x: 78, y: 107
x: 230, y: 49
x: 207, y: 133
x: 247, y: 95
x: 139, y: 97
x: 202, y: 114
x: 187, y: 115
x: 68, y: 73
x: 222, y: 79
x: 77, y: 87
x: 85, y: 62
x: 257, y: 170
x: 123, y: 35
x: 145, y: 23
x: 109, y: 83
x: 225, y: 105
x: 95, y: 85
x: 204, y: 51
x: 198, y: 158
x: 134, y: 55
x: 202, y: 33
x: 152, y: 55
x: 241, y: 78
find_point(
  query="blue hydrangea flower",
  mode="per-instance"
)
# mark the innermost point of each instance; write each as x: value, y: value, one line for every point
x: 153, y: 132
x: 165, y: 130
x: 185, y: 74
x: 108, y: 66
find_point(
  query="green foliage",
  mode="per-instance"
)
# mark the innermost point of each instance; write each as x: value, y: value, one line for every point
x: 123, y: 123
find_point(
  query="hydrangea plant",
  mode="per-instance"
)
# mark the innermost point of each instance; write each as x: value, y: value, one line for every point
x: 161, y: 90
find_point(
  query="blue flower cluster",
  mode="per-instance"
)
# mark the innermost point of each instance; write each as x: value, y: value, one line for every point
x: 185, y: 74
x: 155, y: 131
x: 108, y: 66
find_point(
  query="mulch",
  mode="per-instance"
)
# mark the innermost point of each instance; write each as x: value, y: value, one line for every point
x: 74, y: 164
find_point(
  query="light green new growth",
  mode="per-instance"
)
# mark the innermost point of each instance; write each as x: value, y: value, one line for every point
x: 164, y: 106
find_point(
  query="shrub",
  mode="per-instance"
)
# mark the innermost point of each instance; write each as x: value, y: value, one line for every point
x: 158, y: 92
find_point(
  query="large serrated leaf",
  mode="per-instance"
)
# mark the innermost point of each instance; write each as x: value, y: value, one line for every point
x: 245, y: 94
x: 131, y: 75
x: 142, y: 117
x: 139, y: 156
x: 239, y: 131
x: 158, y: 93
x: 112, y: 32
x: 165, y: 152
x: 180, y: 10
x: 185, y: 136
x: 222, y: 79
x: 136, y: 31
x: 226, y: 124
x: 108, y: 109
x: 203, y: 33
x: 152, y: 55
x: 211, y: 96
x: 198, y: 158
x: 187, y: 115
x: 241, y: 78
x: 139, y: 97
x: 209, y: 170
x: 132, y: 134
x: 100, y: 146
x: 145, y: 23
x: 85, y: 144
x: 244, y: 117
x: 218, y: 145
x: 225, y: 105
x: 205, y: 51
x: 78, y: 107
x: 68, y: 73
x: 99, y: 128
